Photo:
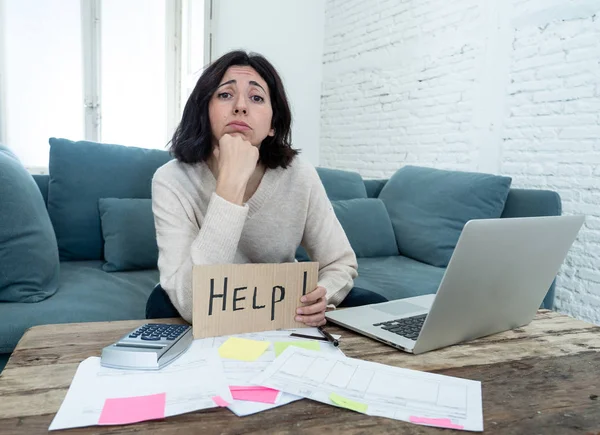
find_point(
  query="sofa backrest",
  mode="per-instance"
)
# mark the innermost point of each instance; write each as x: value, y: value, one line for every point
x: 42, y: 182
x: 344, y: 185
x: 532, y: 202
x: 374, y: 186
x: 519, y: 203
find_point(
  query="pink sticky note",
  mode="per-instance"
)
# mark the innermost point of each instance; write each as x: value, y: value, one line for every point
x: 250, y: 387
x: 254, y: 394
x: 220, y: 401
x: 438, y: 422
x: 125, y: 410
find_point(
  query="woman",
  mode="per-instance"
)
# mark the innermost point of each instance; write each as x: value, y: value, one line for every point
x: 237, y: 192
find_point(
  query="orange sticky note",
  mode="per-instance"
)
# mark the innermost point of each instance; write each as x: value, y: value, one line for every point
x: 125, y: 410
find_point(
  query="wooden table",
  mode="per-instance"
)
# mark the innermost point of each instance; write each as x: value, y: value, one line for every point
x: 540, y: 379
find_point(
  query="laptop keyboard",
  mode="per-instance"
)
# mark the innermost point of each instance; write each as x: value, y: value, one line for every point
x: 408, y: 327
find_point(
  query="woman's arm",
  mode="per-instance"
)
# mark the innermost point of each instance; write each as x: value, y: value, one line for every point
x: 182, y: 243
x: 326, y: 242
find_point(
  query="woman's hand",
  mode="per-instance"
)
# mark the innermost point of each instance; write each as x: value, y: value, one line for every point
x: 236, y: 162
x: 313, y: 311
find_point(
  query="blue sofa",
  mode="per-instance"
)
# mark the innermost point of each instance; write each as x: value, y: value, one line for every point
x: 94, y: 287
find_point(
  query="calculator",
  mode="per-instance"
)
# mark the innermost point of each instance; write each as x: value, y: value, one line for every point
x: 149, y: 347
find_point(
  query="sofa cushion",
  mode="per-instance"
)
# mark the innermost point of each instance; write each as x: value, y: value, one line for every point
x: 83, y: 172
x: 129, y: 234
x: 429, y: 208
x: 367, y: 225
x: 86, y: 294
x: 342, y: 184
x: 359, y: 296
x: 398, y: 277
x: 29, y: 266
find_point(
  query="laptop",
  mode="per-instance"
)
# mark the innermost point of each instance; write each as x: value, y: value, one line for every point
x: 496, y: 280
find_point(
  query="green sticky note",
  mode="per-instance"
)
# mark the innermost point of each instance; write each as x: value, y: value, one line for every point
x: 347, y: 403
x: 280, y: 346
x: 243, y: 349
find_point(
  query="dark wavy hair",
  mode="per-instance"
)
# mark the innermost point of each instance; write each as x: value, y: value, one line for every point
x: 192, y: 141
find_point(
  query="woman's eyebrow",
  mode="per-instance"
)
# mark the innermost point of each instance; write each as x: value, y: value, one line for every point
x: 227, y: 83
x: 234, y: 81
x: 252, y: 82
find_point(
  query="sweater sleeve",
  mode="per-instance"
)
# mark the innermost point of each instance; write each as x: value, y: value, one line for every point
x: 326, y: 242
x: 182, y: 242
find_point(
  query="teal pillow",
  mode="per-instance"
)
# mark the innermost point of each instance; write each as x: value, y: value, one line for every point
x: 83, y: 172
x: 367, y: 225
x: 29, y: 265
x: 129, y: 234
x: 342, y: 184
x: 429, y: 208
x: 301, y: 254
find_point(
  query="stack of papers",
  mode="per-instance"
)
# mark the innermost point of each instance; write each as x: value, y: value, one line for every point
x: 249, y: 373
x: 100, y: 395
x: 377, y: 389
x: 244, y: 356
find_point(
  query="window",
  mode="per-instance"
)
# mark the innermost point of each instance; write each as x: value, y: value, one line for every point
x: 113, y: 71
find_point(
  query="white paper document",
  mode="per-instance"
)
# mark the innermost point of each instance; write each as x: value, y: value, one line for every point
x: 242, y: 372
x: 377, y: 389
x: 189, y: 383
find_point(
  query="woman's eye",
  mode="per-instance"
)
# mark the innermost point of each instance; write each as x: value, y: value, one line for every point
x: 257, y: 98
x: 224, y: 95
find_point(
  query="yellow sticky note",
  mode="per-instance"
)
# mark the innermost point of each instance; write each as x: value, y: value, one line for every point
x: 347, y: 403
x: 243, y: 349
x: 280, y: 346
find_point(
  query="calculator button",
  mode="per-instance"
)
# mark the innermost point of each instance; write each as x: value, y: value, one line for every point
x: 149, y: 338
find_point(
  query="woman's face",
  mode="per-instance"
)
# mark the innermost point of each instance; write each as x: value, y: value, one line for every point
x: 241, y: 106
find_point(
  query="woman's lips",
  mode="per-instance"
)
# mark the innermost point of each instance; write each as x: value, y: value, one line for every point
x: 239, y: 126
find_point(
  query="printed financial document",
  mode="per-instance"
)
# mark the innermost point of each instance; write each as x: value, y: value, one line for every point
x: 242, y: 372
x: 377, y: 389
x: 189, y: 383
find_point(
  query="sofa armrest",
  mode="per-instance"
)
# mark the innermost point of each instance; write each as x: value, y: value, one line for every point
x: 531, y: 202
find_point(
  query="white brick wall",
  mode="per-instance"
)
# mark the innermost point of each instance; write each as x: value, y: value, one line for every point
x: 551, y: 135
x: 382, y: 102
x: 510, y: 87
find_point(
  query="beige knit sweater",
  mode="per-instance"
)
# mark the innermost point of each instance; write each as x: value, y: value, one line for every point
x: 290, y: 207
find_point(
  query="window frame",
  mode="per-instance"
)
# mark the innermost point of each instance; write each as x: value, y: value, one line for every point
x: 176, y: 74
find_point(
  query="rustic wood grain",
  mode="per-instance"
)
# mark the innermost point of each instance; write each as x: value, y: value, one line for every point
x: 540, y: 379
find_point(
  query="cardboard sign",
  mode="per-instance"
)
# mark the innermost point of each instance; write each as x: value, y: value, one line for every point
x: 238, y: 298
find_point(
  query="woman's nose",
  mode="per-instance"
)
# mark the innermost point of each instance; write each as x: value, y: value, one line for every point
x: 240, y: 105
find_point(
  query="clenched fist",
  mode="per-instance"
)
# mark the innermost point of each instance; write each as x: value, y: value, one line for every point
x: 236, y: 162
